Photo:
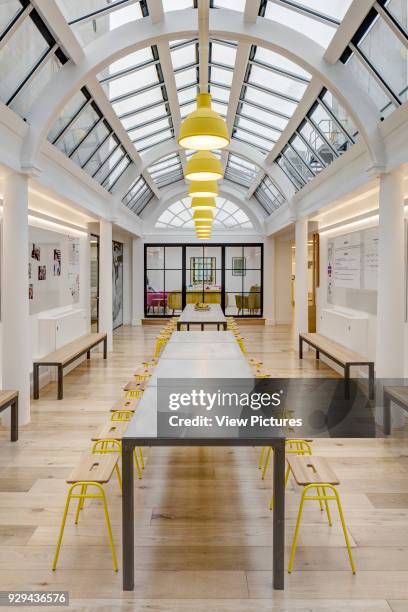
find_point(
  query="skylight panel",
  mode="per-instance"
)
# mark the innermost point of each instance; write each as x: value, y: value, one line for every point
x: 9, y: 10
x: 137, y: 119
x: 220, y: 108
x: 238, y: 170
x: 130, y: 61
x: 132, y: 82
x: 226, y: 215
x: 277, y: 82
x: 167, y: 170
x: 265, y: 117
x: 183, y: 53
x: 234, y: 5
x: 279, y: 61
x: 269, y: 196
x: 268, y: 134
x: 177, y: 5
x: 335, y: 9
x: 221, y: 94
x: 220, y: 75
x: 186, y: 77
x: 223, y: 54
x: 316, y: 29
x: 269, y: 100
x: 138, y: 196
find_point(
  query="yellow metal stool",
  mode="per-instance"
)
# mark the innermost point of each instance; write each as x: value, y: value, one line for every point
x: 114, y: 430
x: 292, y: 447
x: 314, y: 474
x: 122, y: 415
x: 91, y: 473
x: 104, y: 447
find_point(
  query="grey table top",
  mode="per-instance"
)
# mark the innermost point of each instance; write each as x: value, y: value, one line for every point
x: 195, y: 337
x: 202, y: 350
x: 213, y: 315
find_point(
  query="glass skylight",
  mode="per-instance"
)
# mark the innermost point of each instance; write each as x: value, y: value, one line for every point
x: 135, y: 87
x: 239, y: 170
x: 138, y: 196
x: 318, y: 19
x: 82, y: 133
x: 177, y: 5
x: 378, y: 55
x: 167, y: 170
x: 29, y: 55
x: 184, y: 57
x: 273, y: 87
x: 323, y: 136
x: 227, y: 216
x: 269, y: 196
x: 92, y: 18
x: 222, y: 54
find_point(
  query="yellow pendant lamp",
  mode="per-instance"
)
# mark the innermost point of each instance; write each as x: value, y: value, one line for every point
x: 203, y: 204
x: 203, y: 129
x: 204, y: 224
x: 203, y: 215
x: 204, y: 166
x: 203, y: 189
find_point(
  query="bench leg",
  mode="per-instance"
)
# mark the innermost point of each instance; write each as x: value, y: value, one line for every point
x: 371, y: 381
x: 387, y: 416
x: 36, y: 383
x: 300, y: 347
x: 88, y: 354
x: 317, y: 354
x: 60, y: 382
x: 105, y: 347
x: 14, y: 420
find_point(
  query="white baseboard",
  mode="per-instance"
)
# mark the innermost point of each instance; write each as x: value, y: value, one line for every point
x: 136, y: 322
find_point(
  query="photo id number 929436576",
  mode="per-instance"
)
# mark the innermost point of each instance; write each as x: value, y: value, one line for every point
x: 34, y: 598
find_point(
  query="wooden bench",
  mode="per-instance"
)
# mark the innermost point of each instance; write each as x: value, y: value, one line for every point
x: 65, y: 356
x: 10, y: 399
x: 397, y: 395
x: 341, y: 355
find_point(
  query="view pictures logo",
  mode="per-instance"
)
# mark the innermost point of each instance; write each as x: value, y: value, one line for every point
x: 221, y: 399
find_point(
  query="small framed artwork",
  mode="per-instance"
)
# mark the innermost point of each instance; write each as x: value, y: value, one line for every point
x: 239, y: 266
x: 42, y: 272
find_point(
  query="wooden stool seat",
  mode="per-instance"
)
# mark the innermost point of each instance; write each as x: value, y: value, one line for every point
x: 93, y: 468
x: 112, y: 430
x: 126, y: 404
x: 135, y: 385
x: 311, y: 470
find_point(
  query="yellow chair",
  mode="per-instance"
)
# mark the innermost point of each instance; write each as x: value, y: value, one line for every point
x: 314, y: 474
x: 292, y: 446
x: 92, y: 473
x: 174, y: 301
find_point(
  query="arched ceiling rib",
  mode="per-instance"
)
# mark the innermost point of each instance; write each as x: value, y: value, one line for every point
x: 223, y: 24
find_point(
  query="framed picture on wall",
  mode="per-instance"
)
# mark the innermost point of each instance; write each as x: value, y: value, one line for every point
x: 239, y: 266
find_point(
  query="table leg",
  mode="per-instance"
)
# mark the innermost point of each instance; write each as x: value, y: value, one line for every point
x: 60, y: 382
x: 317, y: 354
x: 14, y: 420
x: 88, y: 354
x: 279, y: 516
x: 128, y: 531
x: 36, y: 382
x: 300, y: 347
x: 347, y: 381
x: 387, y: 415
x: 105, y: 347
x: 178, y: 326
x: 371, y: 381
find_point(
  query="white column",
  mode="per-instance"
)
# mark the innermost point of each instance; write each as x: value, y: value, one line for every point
x: 269, y: 284
x: 301, y: 297
x: 16, y: 345
x: 389, y: 360
x: 105, y: 280
x: 137, y: 281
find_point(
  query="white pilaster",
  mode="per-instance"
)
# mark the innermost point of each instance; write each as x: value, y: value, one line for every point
x: 390, y: 309
x: 16, y: 345
x: 105, y: 280
x: 269, y: 282
x: 301, y: 296
x: 85, y: 279
x: 137, y: 281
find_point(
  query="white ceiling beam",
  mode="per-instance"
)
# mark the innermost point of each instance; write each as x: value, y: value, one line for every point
x: 55, y: 20
x: 254, y: 185
x: 251, y: 10
x: 345, y: 32
x: 241, y: 63
x: 156, y: 11
x: 203, y: 40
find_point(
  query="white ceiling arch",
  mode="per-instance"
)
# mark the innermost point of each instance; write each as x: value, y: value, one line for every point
x: 179, y: 190
x: 223, y: 24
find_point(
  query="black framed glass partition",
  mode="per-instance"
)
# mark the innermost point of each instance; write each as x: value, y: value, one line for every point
x: 227, y: 274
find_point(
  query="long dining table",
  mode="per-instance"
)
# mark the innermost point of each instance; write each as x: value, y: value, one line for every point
x: 212, y: 315
x: 204, y: 358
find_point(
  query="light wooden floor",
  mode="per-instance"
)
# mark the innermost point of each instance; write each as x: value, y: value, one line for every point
x: 203, y: 530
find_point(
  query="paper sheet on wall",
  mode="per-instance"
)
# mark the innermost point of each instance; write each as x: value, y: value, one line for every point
x: 347, y: 261
x: 371, y: 242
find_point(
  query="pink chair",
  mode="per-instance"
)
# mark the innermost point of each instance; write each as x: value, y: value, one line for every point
x: 156, y: 298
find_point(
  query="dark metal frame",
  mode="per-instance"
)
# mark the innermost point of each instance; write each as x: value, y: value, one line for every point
x: 128, y: 503
x: 223, y: 247
x: 13, y: 405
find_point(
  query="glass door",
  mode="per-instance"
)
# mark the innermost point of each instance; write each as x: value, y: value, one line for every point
x: 204, y: 274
